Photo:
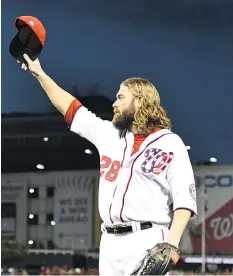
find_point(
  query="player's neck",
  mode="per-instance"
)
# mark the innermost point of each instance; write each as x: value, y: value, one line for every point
x: 135, y: 130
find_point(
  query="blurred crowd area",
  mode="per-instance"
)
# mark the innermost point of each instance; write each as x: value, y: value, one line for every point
x: 218, y: 272
x: 75, y: 271
x: 95, y: 271
x: 51, y: 271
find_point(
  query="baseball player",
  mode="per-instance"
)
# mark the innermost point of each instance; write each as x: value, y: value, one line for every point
x: 144, y: 169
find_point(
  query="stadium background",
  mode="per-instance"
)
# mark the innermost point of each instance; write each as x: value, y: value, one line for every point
x: 57, y: 209
x: 49, y: 219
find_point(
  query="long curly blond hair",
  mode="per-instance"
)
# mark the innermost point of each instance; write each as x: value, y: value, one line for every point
x: 150, y: 114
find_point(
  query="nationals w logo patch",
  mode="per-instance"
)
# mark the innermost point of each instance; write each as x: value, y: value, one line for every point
x: 156, y: 161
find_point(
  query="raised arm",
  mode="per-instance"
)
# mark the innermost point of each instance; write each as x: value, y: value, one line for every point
x: 81, y: 120
x: 58, y: 96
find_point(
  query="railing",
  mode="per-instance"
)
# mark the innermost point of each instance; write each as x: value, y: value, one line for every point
x: 51, y: 251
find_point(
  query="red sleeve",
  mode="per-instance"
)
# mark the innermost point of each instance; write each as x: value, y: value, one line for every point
x: 69, y: 116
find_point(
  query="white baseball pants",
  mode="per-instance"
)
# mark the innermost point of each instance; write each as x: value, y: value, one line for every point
x: 119, y: 255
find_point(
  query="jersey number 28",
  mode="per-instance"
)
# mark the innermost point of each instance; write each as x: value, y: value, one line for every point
x: 109, y: 169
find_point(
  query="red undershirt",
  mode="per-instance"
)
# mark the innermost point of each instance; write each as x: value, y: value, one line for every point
x: 138, y: 140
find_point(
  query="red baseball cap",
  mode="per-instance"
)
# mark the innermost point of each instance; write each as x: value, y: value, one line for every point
x: 30, y: 38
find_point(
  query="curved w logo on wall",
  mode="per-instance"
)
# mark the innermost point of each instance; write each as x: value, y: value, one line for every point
x: 219, y: 228
x: 222, y: 227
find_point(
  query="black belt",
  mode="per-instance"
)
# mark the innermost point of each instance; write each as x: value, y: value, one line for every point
x: 124, y: 229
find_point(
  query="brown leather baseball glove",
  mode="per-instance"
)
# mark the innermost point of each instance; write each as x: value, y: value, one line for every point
x: 159, y: 260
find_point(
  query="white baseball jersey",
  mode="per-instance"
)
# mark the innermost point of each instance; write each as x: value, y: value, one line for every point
x: 138, y: 187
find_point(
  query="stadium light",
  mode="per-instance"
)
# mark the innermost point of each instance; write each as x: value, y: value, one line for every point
x: 31, y: 191
x: 31, y: 216
x: 88, y: 151
x: 188, y: 147
x: 213, y: 159
x: 53, y: 222
x: 30, y: 242
x: 40, y: 166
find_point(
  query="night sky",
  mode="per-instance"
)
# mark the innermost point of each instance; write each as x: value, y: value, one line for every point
x: 184, y: 47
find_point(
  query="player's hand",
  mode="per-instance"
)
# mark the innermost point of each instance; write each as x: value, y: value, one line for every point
x: 33, y: 66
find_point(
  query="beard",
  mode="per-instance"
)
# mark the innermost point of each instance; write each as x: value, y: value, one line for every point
x: 123, y: 121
